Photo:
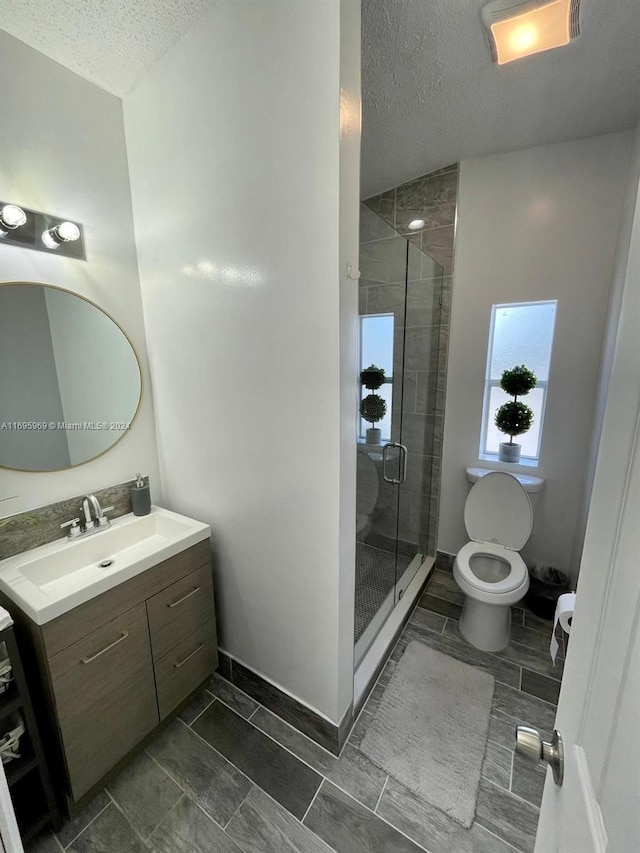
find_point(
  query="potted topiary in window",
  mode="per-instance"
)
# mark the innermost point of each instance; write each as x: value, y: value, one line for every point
x: 515, y: 417
x: 373, y: 408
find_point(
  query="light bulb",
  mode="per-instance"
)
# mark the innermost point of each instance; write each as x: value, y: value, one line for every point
x: 524, y: 38
x: 65, y: 232
x: 11, y: 217
x: 416, y: 223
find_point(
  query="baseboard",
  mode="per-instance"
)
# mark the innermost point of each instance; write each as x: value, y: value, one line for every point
x: 300, y: 716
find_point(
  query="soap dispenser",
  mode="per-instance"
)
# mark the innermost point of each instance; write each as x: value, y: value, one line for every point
x: 140, y: 497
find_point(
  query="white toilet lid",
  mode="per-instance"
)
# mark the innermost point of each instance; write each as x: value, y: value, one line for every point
x: 498, y: 510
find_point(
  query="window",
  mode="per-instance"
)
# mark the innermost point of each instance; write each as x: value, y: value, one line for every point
x: 521, y: 333
x: 376, y: 347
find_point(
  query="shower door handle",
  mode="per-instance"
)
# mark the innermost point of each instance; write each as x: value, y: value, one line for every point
x: 385, y: 459
x: 405, y: 459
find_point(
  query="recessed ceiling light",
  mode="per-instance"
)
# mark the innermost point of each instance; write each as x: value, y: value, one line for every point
x: 417, y: 223
x: 516, y: 29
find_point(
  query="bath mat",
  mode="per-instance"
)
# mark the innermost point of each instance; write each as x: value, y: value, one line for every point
x: 430, y: 729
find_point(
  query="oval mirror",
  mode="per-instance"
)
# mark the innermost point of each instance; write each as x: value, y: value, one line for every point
x: 70, y: 381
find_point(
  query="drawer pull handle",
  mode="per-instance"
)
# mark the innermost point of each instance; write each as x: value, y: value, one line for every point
x: 184, y: 597
x: 124, y: 636
x: 188, y: 657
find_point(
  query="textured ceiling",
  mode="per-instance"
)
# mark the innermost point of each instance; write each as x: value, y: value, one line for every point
x: 110, y: 42
x: 431, y: 95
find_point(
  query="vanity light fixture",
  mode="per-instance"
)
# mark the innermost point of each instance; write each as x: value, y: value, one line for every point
x: 65, y: 232
x: 416, y: 224
x: 11, y: 217
x: 23, y: 228
x: 517, y: 28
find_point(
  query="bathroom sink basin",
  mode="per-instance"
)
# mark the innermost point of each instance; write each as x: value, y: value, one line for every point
x: 52, y: 579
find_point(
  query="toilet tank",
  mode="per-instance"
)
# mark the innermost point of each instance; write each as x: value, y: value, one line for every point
x: 532, y: 485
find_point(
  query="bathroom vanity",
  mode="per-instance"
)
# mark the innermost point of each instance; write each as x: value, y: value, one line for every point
x: 117, y: 648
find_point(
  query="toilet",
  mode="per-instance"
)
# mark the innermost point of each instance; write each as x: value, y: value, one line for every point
x: 489, y: 570
x: 367, y: 492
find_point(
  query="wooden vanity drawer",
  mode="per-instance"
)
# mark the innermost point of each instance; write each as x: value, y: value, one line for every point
x: 179, y: 610
x: 103, y: 688
x: 185, y: 667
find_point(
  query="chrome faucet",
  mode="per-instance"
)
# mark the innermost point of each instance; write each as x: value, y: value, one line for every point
x: 87, y: 502
x: 101, y: 522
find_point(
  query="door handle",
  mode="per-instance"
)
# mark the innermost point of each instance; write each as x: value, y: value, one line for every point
x: 405, y: 458
x: 529, y: 745
x: 385, y: 459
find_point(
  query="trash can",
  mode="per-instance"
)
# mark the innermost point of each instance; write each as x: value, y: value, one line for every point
x: 546, y: 585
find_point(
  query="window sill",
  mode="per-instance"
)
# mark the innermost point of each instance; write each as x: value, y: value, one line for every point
x: 508, y: 466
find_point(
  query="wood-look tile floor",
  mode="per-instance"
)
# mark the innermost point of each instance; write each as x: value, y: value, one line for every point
x: 229, y: 776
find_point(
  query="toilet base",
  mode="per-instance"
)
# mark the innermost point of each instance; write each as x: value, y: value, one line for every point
x: 486, y: 626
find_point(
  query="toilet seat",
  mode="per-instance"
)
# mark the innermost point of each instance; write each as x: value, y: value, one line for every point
x: 515, y: 580
x: 498, y: 517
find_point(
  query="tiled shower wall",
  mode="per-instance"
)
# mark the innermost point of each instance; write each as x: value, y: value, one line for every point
x: 382, y: 263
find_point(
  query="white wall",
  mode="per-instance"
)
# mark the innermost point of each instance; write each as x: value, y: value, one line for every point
x: 63, y: 152
x: 233, y: 144
x: 535, y: 224
x: 350, y: 133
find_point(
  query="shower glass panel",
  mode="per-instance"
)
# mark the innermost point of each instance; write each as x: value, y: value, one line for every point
x: 400, y: 304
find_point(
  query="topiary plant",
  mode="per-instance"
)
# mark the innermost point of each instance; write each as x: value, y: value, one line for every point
x: 515, y: 418
x: 372, y: 377
x: 373, y: 408
x: 518, y: 381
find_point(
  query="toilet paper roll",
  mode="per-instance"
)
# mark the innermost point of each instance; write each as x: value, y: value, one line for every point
x: 564, y: 614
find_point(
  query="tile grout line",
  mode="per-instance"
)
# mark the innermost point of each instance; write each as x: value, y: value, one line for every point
x: 234, y: 686
x: 495, y: 656
x: 244, y: 800
x: 94, y: 818
x: 129, y: 823
x: 313, y: 799
x: 224, y: 758
x: 173, y: 779
x: 513, y: 761
x: 281, y: 745
x: 323, y: 777
x: 207, y: 706
x: 503, y: 840
x: 162, y: 819
x: 515, y: 796
x: 384, y: 787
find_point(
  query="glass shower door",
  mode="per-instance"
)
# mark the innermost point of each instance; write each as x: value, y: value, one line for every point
x: 400, y: 298
x: 418, y: 422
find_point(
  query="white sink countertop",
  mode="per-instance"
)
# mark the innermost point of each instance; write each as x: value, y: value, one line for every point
x: 53, y: 579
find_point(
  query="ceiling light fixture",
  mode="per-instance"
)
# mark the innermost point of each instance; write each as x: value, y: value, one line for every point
x: 517, y: 28
x: 11, y: 217
x: 415, y: 224
x: 65, y: 232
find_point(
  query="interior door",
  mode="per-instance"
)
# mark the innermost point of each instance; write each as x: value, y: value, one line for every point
x: 597, y: 809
